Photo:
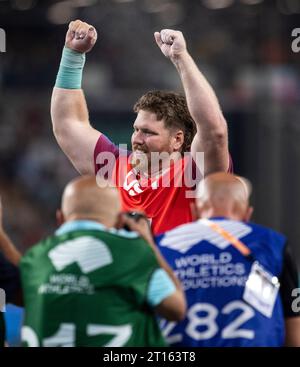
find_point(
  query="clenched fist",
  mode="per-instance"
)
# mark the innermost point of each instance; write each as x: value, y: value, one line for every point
x: 81, y: 36
x: 171, y: 43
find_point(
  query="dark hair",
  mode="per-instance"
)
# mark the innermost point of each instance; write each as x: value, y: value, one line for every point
x: 172, y: 108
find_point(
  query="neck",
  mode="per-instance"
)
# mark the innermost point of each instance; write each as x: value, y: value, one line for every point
x: 94, y: 218
x: 229, y: 214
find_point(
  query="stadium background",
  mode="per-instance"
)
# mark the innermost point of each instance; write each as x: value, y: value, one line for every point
x: 242, y: 46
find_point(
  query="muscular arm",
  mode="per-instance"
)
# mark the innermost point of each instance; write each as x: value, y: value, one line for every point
x: 288, y: 283
x: 172, y: 307
x: 211, y: 137
x: 8, y: 249
x: 6, y: 246
x: 292, y: 332
x: 72, y: 129
x: 69, y: 112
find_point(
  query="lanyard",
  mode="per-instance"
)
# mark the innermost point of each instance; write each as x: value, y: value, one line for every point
x: 240, y: 246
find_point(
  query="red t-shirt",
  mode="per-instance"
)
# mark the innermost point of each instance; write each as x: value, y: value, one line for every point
x: 166, y: 200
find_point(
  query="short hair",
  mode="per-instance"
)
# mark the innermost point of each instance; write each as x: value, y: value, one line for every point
x: 172, y: 108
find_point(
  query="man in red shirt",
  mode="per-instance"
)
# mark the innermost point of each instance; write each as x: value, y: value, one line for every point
x: 158, y: 176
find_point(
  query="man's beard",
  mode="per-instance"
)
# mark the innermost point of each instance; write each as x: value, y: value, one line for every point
x: 152, y: 163
x: 140, y: 161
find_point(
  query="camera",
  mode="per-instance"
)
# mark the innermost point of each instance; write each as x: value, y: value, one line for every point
x: 136, y: 216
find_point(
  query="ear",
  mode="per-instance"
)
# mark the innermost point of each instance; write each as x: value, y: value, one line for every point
x: 120, y: 222
x: 60, y: 219
x: 248, y: 214
x: 178, y: 140
x: 198, y: 209
x: 194, y: 211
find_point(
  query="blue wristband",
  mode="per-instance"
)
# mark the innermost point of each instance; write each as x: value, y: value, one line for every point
x: 69, y: 75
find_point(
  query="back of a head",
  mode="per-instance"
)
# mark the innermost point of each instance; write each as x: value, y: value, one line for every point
x: 224, y: 194
x: 88, y: 198
x: 172, y: 108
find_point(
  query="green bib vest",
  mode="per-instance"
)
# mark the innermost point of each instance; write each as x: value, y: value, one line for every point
x: 88, y: 288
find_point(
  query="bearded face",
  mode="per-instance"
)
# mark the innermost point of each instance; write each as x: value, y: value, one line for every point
x: 150, y: 138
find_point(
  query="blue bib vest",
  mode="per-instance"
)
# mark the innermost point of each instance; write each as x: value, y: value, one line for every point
x: 213, y: 274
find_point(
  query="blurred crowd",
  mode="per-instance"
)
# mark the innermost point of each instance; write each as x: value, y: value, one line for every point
x: 33, y: 170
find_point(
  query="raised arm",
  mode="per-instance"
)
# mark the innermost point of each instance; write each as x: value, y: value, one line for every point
x: 69, y: 113
x: 211, y: 137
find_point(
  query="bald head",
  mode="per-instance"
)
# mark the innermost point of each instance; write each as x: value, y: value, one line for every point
x: 224, y: 194
x: 86, y: 198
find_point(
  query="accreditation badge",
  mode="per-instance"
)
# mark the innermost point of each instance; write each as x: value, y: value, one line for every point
x: 261, y: 289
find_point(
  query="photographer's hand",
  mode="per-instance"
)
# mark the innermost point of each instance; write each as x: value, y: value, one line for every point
x: 140, y: 225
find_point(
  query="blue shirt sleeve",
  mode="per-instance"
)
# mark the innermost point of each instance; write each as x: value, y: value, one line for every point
x: 160, y: 287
